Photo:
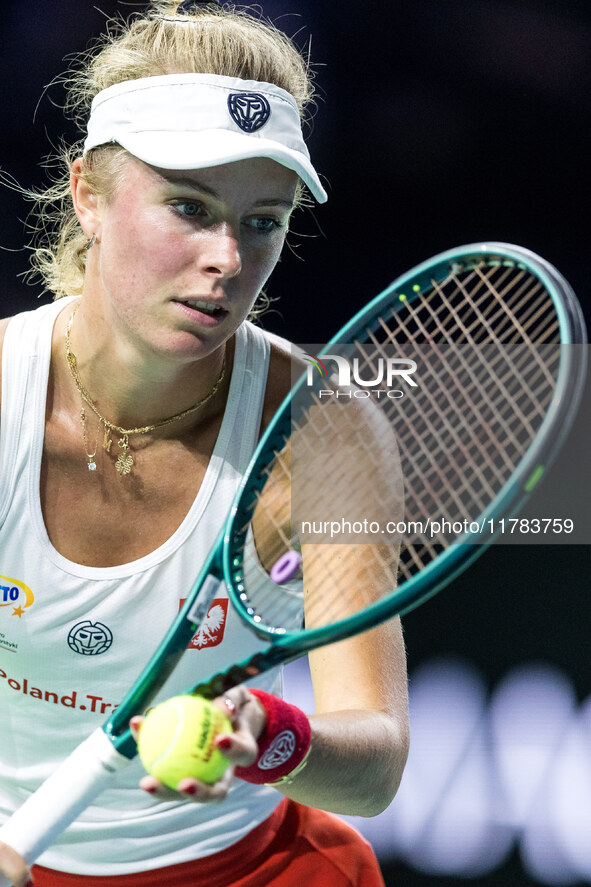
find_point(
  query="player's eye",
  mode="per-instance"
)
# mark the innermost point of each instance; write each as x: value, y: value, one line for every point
x: 189, y: 208
x: 266, y: 224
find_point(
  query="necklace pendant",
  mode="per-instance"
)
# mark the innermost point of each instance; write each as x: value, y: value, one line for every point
x: 124, y: 463
x: 91, y: 463
x: 107, y: 440
x: 125, y: 459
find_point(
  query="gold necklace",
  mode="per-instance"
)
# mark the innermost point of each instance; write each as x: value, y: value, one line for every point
x: 90, y: 456
x: 124, y: 461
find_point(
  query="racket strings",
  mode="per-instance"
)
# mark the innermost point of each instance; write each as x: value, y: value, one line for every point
x: 529, y: 312
x: 450, y: 421
x: 529, y: 303
x: 493, y: 332
x: 485, y: 384
x: 515, y: 294
x: 505, y: 323
x: 460, y: 441
x: 491, y: 388
x: 333, y: 595
x: 319, y: 474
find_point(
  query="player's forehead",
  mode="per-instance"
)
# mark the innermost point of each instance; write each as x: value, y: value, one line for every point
x: 274, y: 181
x: 257, y: 181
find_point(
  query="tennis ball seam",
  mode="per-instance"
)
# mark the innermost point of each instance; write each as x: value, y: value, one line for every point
x: 180, y: 726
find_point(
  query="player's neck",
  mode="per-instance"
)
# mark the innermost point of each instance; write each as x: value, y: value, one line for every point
x: 134, y: 387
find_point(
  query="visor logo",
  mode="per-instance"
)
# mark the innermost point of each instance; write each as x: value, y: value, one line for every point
x: 249, y: 110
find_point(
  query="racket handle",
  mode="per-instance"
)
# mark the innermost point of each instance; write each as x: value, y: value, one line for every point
x: 62, y: 797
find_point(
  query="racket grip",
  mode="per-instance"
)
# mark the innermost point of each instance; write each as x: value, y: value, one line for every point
x: 62, y: 797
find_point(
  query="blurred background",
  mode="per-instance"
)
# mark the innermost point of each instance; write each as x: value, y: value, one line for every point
x: 439, y: 122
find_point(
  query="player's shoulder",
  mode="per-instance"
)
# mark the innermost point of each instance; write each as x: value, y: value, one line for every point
x: 3, y: 327
x: 285, y: 365
x: 4, y: 321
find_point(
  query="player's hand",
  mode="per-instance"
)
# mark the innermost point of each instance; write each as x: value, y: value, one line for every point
x: 248, y: 719
x: 14, y: 866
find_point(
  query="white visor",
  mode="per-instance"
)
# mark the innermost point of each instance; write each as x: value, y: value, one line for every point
x: 191, y: 121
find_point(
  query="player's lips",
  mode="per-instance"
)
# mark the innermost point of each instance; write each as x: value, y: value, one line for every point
x: 206, y: 311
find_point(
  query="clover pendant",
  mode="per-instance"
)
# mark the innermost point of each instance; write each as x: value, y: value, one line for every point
x: 124, y: 463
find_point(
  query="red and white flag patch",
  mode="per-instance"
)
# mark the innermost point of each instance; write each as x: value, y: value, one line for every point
x: 211, y: 632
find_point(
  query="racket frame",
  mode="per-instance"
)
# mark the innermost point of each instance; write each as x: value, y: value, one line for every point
x: 225, y: 560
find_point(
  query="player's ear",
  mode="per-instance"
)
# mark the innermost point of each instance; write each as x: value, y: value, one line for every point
x: 85, y: 201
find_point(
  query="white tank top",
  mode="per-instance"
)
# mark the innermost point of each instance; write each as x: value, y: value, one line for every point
x: 73, y: 638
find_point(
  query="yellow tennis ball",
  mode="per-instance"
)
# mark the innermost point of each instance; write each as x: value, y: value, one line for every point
x: 176, y: 740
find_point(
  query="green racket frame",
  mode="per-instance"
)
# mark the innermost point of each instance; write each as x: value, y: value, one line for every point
x: 225, y: 561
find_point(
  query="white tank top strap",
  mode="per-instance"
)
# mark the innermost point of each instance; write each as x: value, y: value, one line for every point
x: 25, y: 354
x: 249, y: 378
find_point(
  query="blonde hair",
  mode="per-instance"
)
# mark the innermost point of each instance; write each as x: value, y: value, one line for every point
x: 216, y: 40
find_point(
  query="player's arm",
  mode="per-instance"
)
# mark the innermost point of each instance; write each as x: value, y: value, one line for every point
x: 360, y: 725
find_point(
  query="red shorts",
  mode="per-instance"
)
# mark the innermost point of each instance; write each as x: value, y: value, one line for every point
x: 297, y: 845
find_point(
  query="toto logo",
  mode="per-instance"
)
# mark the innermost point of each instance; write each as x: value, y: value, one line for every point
x: 249, y: 110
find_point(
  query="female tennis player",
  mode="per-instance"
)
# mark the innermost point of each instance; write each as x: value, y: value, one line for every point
x: 131, y: 405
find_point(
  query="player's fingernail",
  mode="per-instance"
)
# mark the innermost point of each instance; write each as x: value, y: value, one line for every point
x: 230, y: 706
x: 190, y: 790
x: 224, y: 743
x: 151, y: 789
x: 135, y: 722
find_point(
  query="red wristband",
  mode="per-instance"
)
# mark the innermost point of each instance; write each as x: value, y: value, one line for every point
x: 283, y: 744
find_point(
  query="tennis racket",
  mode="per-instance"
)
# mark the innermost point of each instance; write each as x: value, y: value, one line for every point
x: 468, y: 370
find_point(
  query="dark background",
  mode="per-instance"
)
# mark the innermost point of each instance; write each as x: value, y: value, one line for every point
x: 439, y: 122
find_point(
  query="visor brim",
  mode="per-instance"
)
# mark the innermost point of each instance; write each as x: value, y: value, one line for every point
x: 198, y: 150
